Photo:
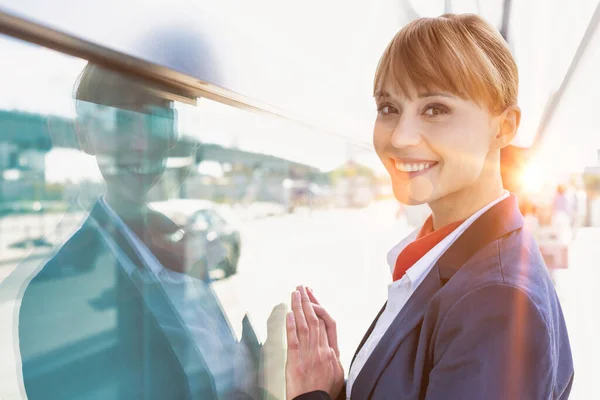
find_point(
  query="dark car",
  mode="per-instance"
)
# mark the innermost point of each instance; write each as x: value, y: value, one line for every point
x: 203, y: 219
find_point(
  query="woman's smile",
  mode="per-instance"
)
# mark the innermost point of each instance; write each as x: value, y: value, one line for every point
x: 410, y: 168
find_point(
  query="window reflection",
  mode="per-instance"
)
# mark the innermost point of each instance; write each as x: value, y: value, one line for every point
x: 144, y: 243
x: 112, y: 281
x: 151, y: 325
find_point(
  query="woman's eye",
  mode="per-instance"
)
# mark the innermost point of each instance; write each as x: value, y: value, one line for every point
x: 434, y: 111
x: 386, y: 110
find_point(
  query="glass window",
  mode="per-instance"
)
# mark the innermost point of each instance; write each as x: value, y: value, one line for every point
x: 110, y: 285
x: 98, y: 179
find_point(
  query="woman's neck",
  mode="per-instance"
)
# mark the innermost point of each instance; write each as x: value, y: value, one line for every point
x: 459, y: 206
x: 126, y: 208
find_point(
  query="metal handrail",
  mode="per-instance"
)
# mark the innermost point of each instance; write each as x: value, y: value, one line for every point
x: 178, y: 86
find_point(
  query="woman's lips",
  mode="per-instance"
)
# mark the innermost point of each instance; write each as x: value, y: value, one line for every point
x: 412, y: 168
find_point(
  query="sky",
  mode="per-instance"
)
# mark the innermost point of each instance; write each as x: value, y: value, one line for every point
x: 314, y: 59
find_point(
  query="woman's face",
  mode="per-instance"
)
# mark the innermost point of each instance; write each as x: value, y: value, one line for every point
x: 131, y: 143
x: 432, y: 144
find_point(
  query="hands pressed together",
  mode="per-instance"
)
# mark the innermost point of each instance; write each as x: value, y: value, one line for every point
x: 313, y: 357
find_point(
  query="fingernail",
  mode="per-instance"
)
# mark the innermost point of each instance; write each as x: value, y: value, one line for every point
x: 290, y: 318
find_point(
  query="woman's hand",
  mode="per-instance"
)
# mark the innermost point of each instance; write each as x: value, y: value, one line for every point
x: 312, y: 364
x: 330, y: 324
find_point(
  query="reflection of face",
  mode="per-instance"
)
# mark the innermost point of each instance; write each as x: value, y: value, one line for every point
x: 131, y: 144
x: 432, y: 144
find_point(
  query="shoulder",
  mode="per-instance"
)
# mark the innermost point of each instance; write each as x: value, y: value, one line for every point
x: 74, y: 255
x: 507, y: 273
x: 513, y: 260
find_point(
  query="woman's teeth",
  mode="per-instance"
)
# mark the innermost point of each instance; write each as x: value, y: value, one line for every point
x: 130, y: 169
x: 413, y: 167
x: 144, y: 170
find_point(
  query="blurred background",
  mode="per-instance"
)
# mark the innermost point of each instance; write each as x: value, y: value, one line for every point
x: 274, y: 158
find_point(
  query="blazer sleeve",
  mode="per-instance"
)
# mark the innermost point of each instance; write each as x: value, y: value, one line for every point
x: 321, y: 395
x: 342, y: 395
x: 492, y: 344
x: 316, y: 395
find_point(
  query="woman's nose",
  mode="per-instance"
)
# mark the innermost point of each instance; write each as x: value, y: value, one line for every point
x: 406, y: 133
x: 139, y: 142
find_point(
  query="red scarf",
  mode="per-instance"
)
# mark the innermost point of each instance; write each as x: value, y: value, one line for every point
x: 426, y: 240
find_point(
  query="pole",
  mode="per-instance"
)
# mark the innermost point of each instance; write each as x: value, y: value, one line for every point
x: 505, y: 19
x: 555, y: 99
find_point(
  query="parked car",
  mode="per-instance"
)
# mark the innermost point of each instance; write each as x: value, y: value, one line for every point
x: 220, y: 240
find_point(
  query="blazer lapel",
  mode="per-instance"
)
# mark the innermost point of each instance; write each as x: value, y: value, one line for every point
x: 156, y: 303
x: 101, y: 216
x: 407, y: 319
x: 498, y: 221
x: 369, y: 331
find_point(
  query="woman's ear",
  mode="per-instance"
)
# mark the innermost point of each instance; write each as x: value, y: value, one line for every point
x: 84, y: 136
x: 508, y: 125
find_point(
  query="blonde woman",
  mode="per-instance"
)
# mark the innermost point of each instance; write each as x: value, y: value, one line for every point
x: 472, y: 312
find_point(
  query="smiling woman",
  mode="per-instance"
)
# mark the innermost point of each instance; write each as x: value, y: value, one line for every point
x: 433, y: 111
x: 472, y: 312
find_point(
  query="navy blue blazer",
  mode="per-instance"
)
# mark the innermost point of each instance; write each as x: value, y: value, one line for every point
x: 486, y: 323
x: 85, y: 331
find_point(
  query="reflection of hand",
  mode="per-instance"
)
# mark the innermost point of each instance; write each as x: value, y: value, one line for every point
x: 273, y: 355
x: 312, y: 364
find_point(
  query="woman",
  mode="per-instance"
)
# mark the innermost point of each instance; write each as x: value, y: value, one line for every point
x: 120, y: 287
x: 472, y: 312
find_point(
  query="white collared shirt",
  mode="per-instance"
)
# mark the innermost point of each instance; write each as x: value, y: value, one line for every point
x: 400, y: 291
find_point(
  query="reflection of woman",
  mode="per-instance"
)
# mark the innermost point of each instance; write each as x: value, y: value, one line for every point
x: 472, y: 312
x: 131, y: 322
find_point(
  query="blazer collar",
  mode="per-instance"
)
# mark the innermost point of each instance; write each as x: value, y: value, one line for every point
x: 500, y: 220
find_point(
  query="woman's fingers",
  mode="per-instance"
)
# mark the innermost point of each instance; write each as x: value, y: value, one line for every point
x: 293, y: 345
x: 321, y: 313
x: 312, y: 364
x: 330, y: 326
x: 323, y: 341
x: 302, y: 329
x: 311, y: 319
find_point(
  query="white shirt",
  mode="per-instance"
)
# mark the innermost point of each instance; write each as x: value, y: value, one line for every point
x: 400, y: 291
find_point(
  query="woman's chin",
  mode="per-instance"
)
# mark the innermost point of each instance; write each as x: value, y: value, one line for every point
x: 419, y: 190
x: 407, y: 200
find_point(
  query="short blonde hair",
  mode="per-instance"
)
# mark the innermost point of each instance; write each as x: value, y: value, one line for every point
x: 460, y: 54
